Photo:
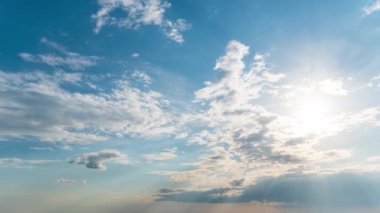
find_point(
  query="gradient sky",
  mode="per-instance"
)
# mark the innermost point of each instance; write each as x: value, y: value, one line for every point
x: 190, y: 106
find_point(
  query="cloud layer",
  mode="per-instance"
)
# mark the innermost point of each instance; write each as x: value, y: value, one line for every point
x: 38, y: 104
x: 340, y: 190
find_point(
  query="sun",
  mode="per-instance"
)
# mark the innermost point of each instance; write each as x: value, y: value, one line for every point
x: 312, y: 115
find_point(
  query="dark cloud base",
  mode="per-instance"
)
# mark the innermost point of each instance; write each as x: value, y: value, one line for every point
x: 341, y: 190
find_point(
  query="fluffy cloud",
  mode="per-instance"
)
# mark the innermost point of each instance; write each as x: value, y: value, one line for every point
x: 60, y: 58
x: 139, y: 13
x: 333, y: 87
x: 246, y: 140
x: 135, y: 55
x: 173, y: 29
x: 374, y: 7
x: 241, y: 134
x: 142, y: 77
x: 37, y: 104
x: 96, y: 160
x: 160, y: 156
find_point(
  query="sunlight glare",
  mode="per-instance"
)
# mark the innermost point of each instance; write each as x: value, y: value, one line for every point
x: 311, y: 115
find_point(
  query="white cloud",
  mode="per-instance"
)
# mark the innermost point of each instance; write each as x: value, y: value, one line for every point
x: 237, y: 131
x: 310, y: 87
x: 28, y: 57
x: 160, y: 156
x: 135, y: 55
x: 60, y: 58
x: 36, y: 104
x: 375, y: 81
x: 373, y: 159
x: 66, y: 147
x: 42, y: 149
x: 376, y: 78
x: 142, y: 77
x: 333, y: 87
x: 173, y: 30
x: 21, y: 163
x: 243, y: 138
x: 65, y: 181
x: 374, y: 7
x: 232, y: 61
x: 238, y: 123
x: 96, y: 160
x: 139, y: 13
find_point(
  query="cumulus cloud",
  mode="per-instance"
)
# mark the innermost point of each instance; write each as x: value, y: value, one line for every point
x: 372, y: 8
x: 139, y: 13
x: 60, y: 57
x: 37, y: 104
x: 244, y: 139
x: 160, y: 156
x: 96, y: 160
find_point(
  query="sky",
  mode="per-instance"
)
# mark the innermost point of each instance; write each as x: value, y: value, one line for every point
x: 192, y: 106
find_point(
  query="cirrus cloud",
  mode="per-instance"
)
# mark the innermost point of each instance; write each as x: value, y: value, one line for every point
x: 61, y: 57
x: 139, y: 13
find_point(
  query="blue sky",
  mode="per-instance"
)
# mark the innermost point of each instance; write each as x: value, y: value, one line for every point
x: 189, y: 106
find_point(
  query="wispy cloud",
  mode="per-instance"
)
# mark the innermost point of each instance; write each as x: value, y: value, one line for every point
x: 36, y: 148
x: 61, y: 57
x: 372, y: 8
x: 333, y: 87
x: 36, y: 104
x: 142, y: 77
x: 22, y: 163
x: 161, y: 156
x: 65, y: 181
x: 138, y: 13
